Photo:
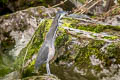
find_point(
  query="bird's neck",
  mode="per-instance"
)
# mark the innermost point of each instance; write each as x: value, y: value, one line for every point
x: 52, y: 32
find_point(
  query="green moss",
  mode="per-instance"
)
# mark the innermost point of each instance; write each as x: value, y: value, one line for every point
x: 114, y: 50
x: 66, y: 24
x: 111, y: 37
x: 33, y: 48
x: 6, y: 16
x: 115, y: 11
x: 28, y: 71
x: 71, y: 52
x: 82, y: 1
x: 45, y: 15
x: 82, y: 54
x: 94, y: 16
x: 41, y: 0
x: 73, y: 23
x: 119, y: 2
x: 8, y: 43
x: 32, y: 2
x: 91, y: 28
x: 40, y: 11
x: 62, y: 40
x: 4, y: 70
x: 4, y: 1
x: 97, y: 28
x: 5, y: 66
x: 93, y: 48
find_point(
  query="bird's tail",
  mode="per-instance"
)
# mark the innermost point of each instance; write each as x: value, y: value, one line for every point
x: 37, y: 64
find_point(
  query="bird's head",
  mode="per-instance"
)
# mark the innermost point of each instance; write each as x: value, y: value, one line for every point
x: 61, y: 14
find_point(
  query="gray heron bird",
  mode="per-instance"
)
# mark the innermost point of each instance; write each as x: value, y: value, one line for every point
x: 47, y: 50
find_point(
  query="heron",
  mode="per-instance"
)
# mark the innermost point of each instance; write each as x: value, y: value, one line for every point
x: 47, y: 50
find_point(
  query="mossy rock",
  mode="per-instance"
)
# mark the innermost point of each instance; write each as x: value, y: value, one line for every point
x: 67, y: 50
x: 43, y: 77
x: 97, y: 28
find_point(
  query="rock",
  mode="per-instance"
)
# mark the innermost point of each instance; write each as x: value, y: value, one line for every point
x: 12, y: 76
x: 82, y: 51
x: 42, y: 77
x: 16, y: 31
x: 21, y: 25
x: 114, y: 20
x: 79, y: 52
x: 16, y: 76
x: 17, y: 5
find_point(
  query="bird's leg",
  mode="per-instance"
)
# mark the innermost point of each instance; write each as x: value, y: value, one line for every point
x: 48, y: 68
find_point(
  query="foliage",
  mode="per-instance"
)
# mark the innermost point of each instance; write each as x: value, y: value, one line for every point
x: 3, y: 1
x: 82, y: 1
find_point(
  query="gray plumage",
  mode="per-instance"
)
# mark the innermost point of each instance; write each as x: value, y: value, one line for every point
x: 47, y: 49
x: 42, y: 58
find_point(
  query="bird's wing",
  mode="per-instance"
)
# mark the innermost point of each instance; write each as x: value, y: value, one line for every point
x: 42, y: 56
